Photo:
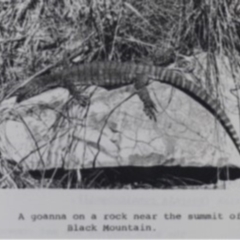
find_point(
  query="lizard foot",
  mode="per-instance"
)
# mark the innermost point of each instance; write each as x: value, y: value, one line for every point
x: 150, y: 110
x: 84, y: 101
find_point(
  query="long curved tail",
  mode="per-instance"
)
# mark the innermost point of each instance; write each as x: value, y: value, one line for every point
x: 177, y: 80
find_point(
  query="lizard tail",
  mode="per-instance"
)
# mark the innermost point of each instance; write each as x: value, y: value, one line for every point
x: 177, y: 80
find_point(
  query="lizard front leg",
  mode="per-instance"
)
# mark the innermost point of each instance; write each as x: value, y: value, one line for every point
x: 76, y: 93
x: 149, y: 106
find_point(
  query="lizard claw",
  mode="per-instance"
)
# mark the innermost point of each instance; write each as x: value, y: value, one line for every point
x: 84, y: 101
x: 150, y: 110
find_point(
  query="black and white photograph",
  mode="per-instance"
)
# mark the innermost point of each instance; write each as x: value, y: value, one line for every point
x: 119, y: 95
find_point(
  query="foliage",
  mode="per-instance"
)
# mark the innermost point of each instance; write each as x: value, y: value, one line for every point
x: 41, y: 34
x: 37, y: 33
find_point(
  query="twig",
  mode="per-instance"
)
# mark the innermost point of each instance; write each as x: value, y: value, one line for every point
x: 12, y: 40
x: 105, y: 123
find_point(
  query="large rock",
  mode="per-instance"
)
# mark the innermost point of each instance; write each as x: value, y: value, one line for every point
x: 53, y: 132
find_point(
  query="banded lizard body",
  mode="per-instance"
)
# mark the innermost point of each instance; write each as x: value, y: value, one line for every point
x: 112, y: 75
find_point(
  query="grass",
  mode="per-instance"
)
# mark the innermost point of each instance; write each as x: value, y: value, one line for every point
x: 38, y: 37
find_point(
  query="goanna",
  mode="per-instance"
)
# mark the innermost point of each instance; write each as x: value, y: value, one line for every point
x: 112, y: 75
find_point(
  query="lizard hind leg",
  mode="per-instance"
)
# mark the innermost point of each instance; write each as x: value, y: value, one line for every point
x: 149, y: 106
x: 140, y: 84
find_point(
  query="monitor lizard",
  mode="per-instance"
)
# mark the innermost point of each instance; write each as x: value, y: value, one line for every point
x: 112, y: 75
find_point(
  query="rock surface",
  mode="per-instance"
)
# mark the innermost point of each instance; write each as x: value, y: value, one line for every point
x: 36, y: 134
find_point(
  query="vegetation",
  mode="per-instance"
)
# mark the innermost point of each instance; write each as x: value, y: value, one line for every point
x: 37, y: 36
